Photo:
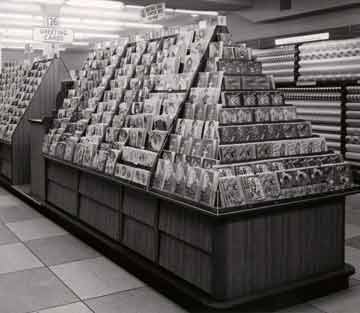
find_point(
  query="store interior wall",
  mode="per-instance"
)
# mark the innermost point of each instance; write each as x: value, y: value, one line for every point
x: 16, y: 55
x: 243, y: 28
x: 72, y: 59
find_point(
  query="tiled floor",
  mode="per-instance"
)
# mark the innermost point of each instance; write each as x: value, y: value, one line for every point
x: 44, y: 269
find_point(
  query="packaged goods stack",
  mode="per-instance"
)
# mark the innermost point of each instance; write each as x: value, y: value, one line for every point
x: 279, y: 62
x: 250, y: 149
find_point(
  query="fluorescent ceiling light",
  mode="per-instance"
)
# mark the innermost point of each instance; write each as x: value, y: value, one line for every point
x: 13, y: 40
x: 305, y: 38
x: 17, y: 22
x: 80, y: 43
x: 68, y: 11
x: 41, y: 1
x: 101, y: 4
x: 21, y: 16
x: 16, y: 32
x: 95, y: 35
x: 89, y: 27
x: 20, y: 7
x: 102, y: 25
x: 211, y: 13
x: 129, y: 6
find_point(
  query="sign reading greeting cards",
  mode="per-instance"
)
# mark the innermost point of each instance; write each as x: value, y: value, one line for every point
x: 52, y: 33
x: 154, y: 12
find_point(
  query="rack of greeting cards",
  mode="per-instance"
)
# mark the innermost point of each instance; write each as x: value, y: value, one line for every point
x: 25, y: 91
x: 178, y: 153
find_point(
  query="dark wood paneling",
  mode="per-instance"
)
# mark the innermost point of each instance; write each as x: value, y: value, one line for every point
x: 37, y: 177
x: 62, y: 197
x: 140, y: 206
x: 6, y: 169
x: 139, y: 237
x: 5, y: 152
x: 272, y: 250
x: 64, y: 176
x: 185, y: 261
x: 100, y: 190
x: 100, y: 217
x: 191, y: 227
x: 44, y: 101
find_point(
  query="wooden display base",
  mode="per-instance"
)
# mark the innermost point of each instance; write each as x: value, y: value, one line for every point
x: 291, y: 252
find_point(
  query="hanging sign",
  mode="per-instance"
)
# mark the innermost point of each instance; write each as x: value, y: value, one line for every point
x: 53, y: 35
x: 154, y: 12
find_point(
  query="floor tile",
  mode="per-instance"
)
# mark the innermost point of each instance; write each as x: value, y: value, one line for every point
x: 36, y: 229
x: 352, y: 217
x: 32, y: 290
x: 347, y: 301
x: 351, y: 231
x: 8, y: 200
x: 304, y: 308
x: 142, y: 300
x: 17, y: 212
x: 352, y: 256
x: 95, y: 277
x: 354, y: 282
x: 16, y: 257
x: 70, y: 308
x: 61, y: 249
x: 353, y: 242
x: 6, y: 236
x: 353, y: 202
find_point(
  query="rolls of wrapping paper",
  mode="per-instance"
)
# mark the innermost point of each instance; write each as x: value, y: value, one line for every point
x: 353, y: 125
x: 321, y: 106
x: 334, y: 60
x: 279, y: 62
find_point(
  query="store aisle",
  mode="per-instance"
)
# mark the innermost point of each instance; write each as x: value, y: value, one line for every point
x: 44, y: 269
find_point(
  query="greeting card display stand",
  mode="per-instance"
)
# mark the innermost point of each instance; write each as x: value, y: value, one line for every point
x: 278, y: 252
x: 294, y: 248
x: 15, y: 160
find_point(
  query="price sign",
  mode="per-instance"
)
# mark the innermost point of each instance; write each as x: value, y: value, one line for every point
x: 154, y: 12
x: 53, y: 35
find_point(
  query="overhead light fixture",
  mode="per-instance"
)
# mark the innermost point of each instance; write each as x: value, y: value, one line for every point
x: 80, y: 35
x: 16, y: 32
x: 41, y: 1
x: 68, y: 11
x: 101, y: 4
x: 80, y: 43
x: 210, y: 13
x: 19, y: 22
x: 21, y: 16
x: 129, y: 6
x: 300, y: 39
x: 94, y: 27
x: 23, y: 7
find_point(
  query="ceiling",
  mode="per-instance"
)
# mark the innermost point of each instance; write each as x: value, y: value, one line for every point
x: 212, y: 5
x: 99, y: 20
